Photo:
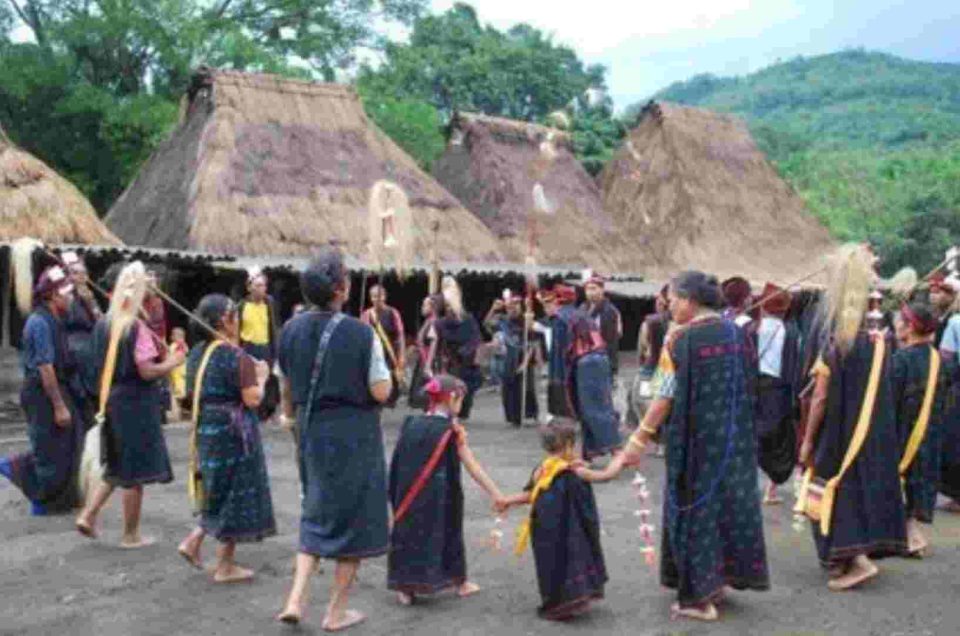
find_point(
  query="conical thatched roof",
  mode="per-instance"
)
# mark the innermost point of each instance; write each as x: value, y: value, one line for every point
x: 693, y: 187
x: 263, y: 165
x: 492, y: 165
x: 37, y: 202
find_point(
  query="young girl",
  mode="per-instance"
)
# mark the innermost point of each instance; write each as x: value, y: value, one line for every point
x: 563, y: 526
x: 918, y: 423
x: 427, y: 553
x: 178, y: 377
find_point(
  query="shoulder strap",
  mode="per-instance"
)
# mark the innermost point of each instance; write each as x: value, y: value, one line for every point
x: 923, y: 419
x: 859, y: 434
x: 194, y: 482
x: 325, y: 337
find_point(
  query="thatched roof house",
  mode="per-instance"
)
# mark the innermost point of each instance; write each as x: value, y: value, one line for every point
x: 264, y: 165
x: 37, y: 202
x: 692, y: 185
x: 492, y: 165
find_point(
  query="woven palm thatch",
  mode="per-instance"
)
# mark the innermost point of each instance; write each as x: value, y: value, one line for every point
x: 37, y: 202
x: 263, y: 165
x: 493, y: 166
x: 692, y: 186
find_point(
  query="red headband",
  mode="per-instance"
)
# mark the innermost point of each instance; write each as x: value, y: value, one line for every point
x: 922, y: 327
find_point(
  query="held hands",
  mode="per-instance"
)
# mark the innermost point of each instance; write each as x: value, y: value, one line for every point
x: 500, y: 504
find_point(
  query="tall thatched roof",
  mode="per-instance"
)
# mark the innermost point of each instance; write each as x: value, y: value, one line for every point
x: 693, y: 187
x: 492, y: 165
x: 264, y: 165
x: 37, y: 202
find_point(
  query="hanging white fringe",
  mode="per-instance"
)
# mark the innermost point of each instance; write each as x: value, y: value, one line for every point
x: 540, y: 202
x: 390, y: 234
x: 21, y: 256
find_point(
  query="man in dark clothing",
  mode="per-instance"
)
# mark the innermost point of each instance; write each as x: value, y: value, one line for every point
x: 606, y: 316
x: 387, y: 323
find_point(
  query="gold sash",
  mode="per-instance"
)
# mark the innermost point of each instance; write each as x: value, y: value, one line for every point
x: 387, y: 345
x: 549, y: 470
x: 195, y: 488
x: 923, y: 419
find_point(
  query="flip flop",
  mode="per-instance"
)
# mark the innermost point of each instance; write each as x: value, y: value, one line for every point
x: 350, y: 618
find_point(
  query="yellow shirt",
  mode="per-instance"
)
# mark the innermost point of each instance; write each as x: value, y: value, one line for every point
x: 255, y: 323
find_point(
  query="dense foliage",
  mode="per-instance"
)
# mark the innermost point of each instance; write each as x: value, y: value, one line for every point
x: 871, y: 141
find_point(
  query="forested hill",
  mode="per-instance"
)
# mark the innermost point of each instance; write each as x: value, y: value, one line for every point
x: 871, y: 141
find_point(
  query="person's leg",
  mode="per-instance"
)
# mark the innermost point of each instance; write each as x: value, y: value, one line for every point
x: 293, y: 609
x: 86, y: 522
x: 338, y: 617
x: 189, y: 548
x: 227, y: 570
x: 132, y: 500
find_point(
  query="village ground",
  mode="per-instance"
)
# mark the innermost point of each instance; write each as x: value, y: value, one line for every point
x: 52, y: 581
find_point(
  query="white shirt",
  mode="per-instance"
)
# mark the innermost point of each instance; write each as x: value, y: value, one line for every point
x: 771, y: 337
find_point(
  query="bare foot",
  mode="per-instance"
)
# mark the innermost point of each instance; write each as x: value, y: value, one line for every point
x: 85, y: 528
x: 862, y: 570
x: 292, y: 614
x: 131, y: 543
x: 707, y: 612
x: 191, y: 554
x: 349, y: 619
x: 467, y: 588
x: 234, y: 574
x: 405, y: 599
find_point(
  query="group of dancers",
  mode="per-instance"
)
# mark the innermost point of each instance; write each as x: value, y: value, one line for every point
x: 722, y: 380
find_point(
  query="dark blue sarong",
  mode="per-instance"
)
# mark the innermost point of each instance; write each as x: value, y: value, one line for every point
x: 591, y: 388
x: 427, y: 551
x: 565, y: 533
x: 950, y: 431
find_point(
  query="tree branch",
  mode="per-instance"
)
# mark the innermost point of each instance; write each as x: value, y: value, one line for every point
x: 30, y: 15
x: 219, y: 11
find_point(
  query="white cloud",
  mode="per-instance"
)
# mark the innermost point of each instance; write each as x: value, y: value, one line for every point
x: 21, y: 34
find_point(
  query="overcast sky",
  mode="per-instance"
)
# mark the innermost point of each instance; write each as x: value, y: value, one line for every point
x: 649, y: 44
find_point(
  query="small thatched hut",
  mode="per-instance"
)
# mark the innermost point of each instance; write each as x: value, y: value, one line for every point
x: 37, y: 202
x: 492, y: 164
x: 692, y: 185
x: 264, y: 165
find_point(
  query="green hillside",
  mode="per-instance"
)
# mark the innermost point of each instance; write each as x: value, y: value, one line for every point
x: 871, y: 141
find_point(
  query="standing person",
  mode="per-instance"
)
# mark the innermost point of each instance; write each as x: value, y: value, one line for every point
x: 178, y: 377
x: 778, y: 345
x: 155, y: 318
x: 82, y: 315
x: 713, y: 526
x: 459, y: 338
x: 427, y: 553
x: 228, y: 472
x: 560, y: 313
x: 919, y: 388
x: 47, y: 474
x: 607, y: 318
x: 388, y: 325
x: 337, y: 378
x: 944, y: 299
x: 650, y: 341
x: 591, y: 389
x: 563, y: 526
x: 134, y: 361
x: 258, y: 334
x: 737, y: 294
x: 850, y: 443
x: 432, y: 308
x: 506, y: 319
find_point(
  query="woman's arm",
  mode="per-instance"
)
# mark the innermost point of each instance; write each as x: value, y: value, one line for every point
x: 520, y: 499
x: 477, y: 472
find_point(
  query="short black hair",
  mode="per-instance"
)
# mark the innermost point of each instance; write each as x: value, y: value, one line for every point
x: 320, y: 278
x: 560, y: 433
x: 701, y: 288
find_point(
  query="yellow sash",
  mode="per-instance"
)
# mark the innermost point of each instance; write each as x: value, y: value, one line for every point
x: 923, y: 419
x: 549, y: 470
x: 194, y: 479
x: 816, y: 500
x: 387, y: 345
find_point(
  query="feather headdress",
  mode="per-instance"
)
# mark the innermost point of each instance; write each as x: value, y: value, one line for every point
x: 390, y: 227
x: 21, y: 255
x: 452, y: 295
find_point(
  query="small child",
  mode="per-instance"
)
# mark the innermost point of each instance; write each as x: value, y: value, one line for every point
x: 427, y: 553
x: 564, y: 527
x: 178, y: 377
x: 918, y: 428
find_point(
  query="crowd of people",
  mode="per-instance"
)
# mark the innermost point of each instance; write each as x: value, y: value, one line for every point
x: 857, y: 394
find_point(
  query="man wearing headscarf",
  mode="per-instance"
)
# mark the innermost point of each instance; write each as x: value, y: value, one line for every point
x: 47, y: 474
x: 560, y: 312
x: 737, y: 295
x: 606, y: 316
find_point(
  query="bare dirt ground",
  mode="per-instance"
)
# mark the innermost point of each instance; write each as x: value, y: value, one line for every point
x: 52, y: 581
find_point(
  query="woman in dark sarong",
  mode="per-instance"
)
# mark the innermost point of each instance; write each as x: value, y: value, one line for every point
x: 81, y: 318
x: 133, y: 447
x: 919, y: 464
x: 427, y: 552
x: 337, y: 377
x: 950, y: 440
x: 47, y: 474
x: 427, y: 360
x: 564, y: 528
x: 506, y: 319
x: 232, y: 490
x: 853, y: 381
x: 560, y: 312
x: 713, y: 527
x: 590, y: 387
x: 459, y: 338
